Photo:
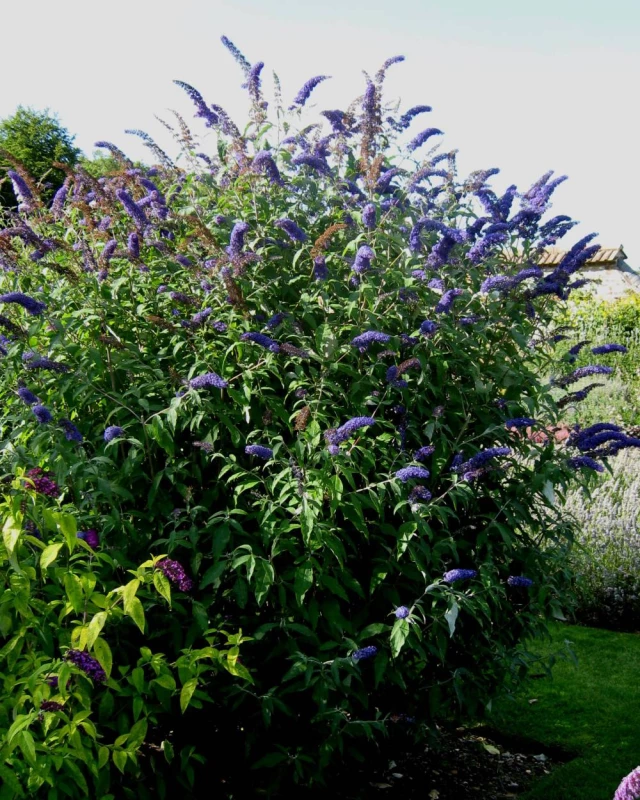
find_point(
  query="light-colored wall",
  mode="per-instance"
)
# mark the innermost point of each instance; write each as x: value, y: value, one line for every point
x: 611, y: 283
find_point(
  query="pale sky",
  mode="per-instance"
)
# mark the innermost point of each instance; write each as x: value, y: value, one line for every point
x: 524, y: 85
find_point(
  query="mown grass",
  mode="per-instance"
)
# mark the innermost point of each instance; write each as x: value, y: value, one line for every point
x: 590, y: 709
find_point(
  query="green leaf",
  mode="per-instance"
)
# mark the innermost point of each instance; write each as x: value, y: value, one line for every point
x: 11, y: 531
x: 264, y: 577
x: 303, y: 581
x: 186, y: 693
x: 136, y: 612
x: 27, y: 745
x: 451, y: 615
x: 167, y: 749
x: 102, y: 652
x: 119, y: 759
x: 103, y: 757
x: 166, y: 681
x: 163, y: 587
x: 73, y: 587
x: 95, y: 627
x: 137, y: 734
x: 399, y: 634
x: 129, y: 593
x: 49, y: 554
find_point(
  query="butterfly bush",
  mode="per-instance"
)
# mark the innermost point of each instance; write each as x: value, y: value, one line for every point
x: 244, y: 589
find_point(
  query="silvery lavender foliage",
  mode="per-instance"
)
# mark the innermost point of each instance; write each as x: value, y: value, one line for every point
x: 27, y: 396
x: 369, y: 216
x: 263, y: 162
x: 364, y: 340
x: 208, y: 379
x: 454, y: 575
x: 71, y: 433
x: 402, y: 612
x: 88, y: 664
x: 363, y: 259
x: 259, y: 451
x: 519, y: 580
x: 412, y: 473
x: 291, y: 229
x: 629, y: 788
x: 236, y: 242
x: 364, y: 653
x: 422, y: 137
x: 112, y: 432
x: 30, y: 305
x: 446, y: 301
x: 262, y: 339
x: 303, y: 95
x: 42, y: 413
x: 174, y: 571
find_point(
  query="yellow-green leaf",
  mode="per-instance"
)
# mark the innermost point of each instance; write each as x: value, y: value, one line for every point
x: 95, y: 627
x: 161, y: 582
x: 103, y: 757
x: 186, y: 693
x: 119, y: 759
x: 136, y: 612
x: 10, y: 533
x: 74, y: 591
x: 129, y: 594
x: 49, y: 554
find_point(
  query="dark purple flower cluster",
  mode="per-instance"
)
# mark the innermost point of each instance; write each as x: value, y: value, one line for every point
x: 42, y: 482
x: 132, y: 209
x: 428, y: 328
x: 91, y: 537
x: 263, y: 162
x: 583, y: 372
x: 422, y: 137
x: 412, y: 473
x: 221, y: 327
x: 519, y: 580
x: 362, y: 262
x: 303, y: 95
x: 454, y: 575
x: 174, y: 571
x: 208, y: 379
x: 292, y: 230
x: 236, y: 241
x: 30, y: 305
x: 369, y: 216
x: 520, y: 422
x: 209, y: 116
x: 629, y: 788
x: 402, y: 612
x: 320, y: 269
x: 51, y: 706
x: 259, y: 451
x: 365, y: 652
x: 33, y: 361
x: 112, y: 432
x: 482, y: 458
x: 608, y: 348
x: 42, y: 413
x: 339, y: 435
x: 314, y: 162
x: 262, y: 339
x: 419, y: 494
x: 364, y: 340
x: 424, y: 452
x: 27, y: 396
x: 585, y: 462
x: 88, y: 664
x: 446, y: 301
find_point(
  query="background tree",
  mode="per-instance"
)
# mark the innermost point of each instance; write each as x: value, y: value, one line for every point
x: 37, y: 139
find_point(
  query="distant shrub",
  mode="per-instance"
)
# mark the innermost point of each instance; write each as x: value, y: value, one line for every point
x: 606, y: 560
x: 296, y: 385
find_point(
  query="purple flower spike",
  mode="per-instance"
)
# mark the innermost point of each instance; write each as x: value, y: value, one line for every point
x: 363, y: 259
x: 454, y: 575
x: 608, y: 348
x: 264, y: 163
x: 259, y: 451
x: 303, y: 95
x: 402, y: 612
x: 91, y: 537
x: 236, y: 242
x: 42, y: 414
x: 88, y: 664
x: 174, y: 571
x: 520, y: 422
x: 112, y: 432
x: 262, y: 339
x: 519, y: 580
x: 320, y: 269
x: 585, y: 462
x: 428, y: 328
x: 368, y: 338
x: 369, y: 216
x: 347, y: 430
x: 30, y: 305
x: 424, y: 452
x: 629, y: 788
x: 422, y: 137
x: 364, y: 653
x: 291, y: 229
x: 27, y: 396
x: 132, y: 209
x: 419, y: 494
x: 412, y: 473
x: 446, y: 301
x: 206, y: 380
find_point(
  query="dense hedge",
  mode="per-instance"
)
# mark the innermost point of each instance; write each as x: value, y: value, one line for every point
x: 287, y: 393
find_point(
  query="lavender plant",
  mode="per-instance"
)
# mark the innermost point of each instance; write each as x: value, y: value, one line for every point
x: 276, y: 445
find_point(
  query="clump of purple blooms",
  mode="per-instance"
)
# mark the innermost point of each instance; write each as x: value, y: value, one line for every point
x: 91, y: 537
x: 42, y: 413
x: 519, y: 580
x: 629, y: 788
x: 454, y: 575
x: 364, y: 340
x: 365, y: 652
x: 30, y: 305
x: 262, y: 339
x: 174, y: 571
x: 112, y: 432
x: 43, y: 483
x: 402, y: 612
x: 88, y: 664
x: 208, y: 379
x: 412, y: 473
x: 259, y: 451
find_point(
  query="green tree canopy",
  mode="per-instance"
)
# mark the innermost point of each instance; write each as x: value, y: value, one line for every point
x: 36, y: 139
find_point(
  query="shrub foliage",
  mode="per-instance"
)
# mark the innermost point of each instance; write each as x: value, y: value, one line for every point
x: 268, y: 443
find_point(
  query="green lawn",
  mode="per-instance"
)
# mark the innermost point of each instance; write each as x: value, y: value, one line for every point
x: 592, y: 710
